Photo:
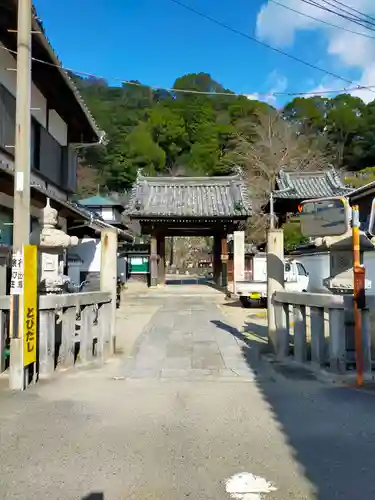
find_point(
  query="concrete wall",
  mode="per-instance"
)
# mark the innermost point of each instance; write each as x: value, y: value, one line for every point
x: 89, y: 250
x: 318, y: 267
x: 56, y: 125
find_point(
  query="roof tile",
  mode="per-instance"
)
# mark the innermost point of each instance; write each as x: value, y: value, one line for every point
x: 189, y: 197
x: 98, y: 201
x: 309, y: 185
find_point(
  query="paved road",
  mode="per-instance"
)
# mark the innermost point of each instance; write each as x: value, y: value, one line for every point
x: 190, y: 406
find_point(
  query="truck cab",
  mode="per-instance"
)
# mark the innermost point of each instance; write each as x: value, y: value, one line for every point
x: 254, y: 292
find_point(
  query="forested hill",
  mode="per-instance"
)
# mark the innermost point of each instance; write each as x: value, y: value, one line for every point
x: 192, y: 134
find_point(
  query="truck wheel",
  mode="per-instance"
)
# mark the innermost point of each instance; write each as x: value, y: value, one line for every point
x: 245, y: 302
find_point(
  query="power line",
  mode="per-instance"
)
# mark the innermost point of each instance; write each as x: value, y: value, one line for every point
x: 354, y: 10
x: 259, y: 42
x: 346, y: 12
x: 355, y: 20
x: 322, y: 21
x: 199, y: 92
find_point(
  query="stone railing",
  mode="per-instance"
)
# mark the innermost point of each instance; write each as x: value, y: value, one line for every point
x: 318, y: 328
x: 73, y: 329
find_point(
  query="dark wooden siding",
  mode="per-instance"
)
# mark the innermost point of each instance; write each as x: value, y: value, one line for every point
x: 50, y: 158
x: 69, y: 169
x: 7, y: 120
x: 56, y: 163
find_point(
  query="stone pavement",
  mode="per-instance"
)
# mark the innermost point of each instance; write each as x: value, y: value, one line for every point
x: 187, y: 407
x: 188, y: 339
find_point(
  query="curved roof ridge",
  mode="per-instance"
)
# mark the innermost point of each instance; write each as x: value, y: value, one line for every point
x: 186, y: 178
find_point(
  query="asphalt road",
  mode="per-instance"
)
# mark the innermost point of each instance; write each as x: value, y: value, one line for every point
x: 188, y: 407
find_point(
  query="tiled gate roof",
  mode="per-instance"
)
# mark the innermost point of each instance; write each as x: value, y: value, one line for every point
x: 201, y: 197
x: 308, y: 185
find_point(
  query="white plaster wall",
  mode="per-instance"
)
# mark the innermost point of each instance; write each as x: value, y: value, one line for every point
x: 89, y: 250
x: 369, y: 263
x: 9, y: 80
x: 57, y: 127
x: 318, y: 268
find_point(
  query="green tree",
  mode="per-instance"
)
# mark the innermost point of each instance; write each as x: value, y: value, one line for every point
x: 137, y: 150
x: 168, y: 130
x: 344, y: 124
x: 292, y: 235
x: 309, y: 114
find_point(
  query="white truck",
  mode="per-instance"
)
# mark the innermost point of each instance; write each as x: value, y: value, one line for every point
x: 255, y: 291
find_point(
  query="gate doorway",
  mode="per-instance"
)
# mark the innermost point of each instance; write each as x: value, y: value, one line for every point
x: 203, y: 207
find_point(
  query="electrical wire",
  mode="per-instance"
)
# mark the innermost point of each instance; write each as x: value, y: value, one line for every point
x: 259, y: 42
x: 172, y: 90
x: 346, y: 6
x: 321, y: 20
x: 354, y: 20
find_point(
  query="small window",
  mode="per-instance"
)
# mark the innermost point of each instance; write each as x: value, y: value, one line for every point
x: 287, y: 267
x: 301, y: 269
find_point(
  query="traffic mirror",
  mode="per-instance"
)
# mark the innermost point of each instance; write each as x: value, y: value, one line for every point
x: 324, y: 217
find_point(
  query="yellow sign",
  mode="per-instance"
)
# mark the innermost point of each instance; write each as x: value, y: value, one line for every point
x: 30, y: 304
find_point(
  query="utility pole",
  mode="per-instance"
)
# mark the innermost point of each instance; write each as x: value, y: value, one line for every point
x: 21, y: 211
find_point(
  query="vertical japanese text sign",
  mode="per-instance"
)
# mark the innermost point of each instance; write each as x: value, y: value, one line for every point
x: 16, y: 279
x: 30, y: 304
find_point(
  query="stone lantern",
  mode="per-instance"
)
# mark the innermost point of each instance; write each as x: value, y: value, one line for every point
x: 52, y: 244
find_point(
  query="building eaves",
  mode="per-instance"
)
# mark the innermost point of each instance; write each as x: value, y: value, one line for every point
x: 185, y: 197
x: 366, y: 190
x: 99, y: 201
x: 309, y: 185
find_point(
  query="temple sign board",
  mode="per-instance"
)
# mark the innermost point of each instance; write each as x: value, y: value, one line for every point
x: 324, y: 217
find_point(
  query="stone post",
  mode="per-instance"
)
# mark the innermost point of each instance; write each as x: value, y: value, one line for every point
x: 238, y: 257
x: 153, y: 262
x: 275, y: 279
x: 108, y: 276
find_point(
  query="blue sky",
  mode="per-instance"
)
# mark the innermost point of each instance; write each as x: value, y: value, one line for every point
x: 157, y: 41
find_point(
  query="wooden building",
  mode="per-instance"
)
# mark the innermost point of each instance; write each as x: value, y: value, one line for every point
x: 189, y: 206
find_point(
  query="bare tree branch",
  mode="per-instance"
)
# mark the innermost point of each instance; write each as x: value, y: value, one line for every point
x: 273, y: 145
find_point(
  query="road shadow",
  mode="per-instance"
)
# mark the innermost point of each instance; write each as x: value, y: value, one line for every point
x: 331, y: 429
x: 94, y: 496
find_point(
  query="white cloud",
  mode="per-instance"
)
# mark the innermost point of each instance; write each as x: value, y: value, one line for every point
x: 352, y: 51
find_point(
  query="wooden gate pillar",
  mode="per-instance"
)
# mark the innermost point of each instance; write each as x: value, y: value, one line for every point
x: 161, y: 259
x: 224, y: 261
x: 216, y: 261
